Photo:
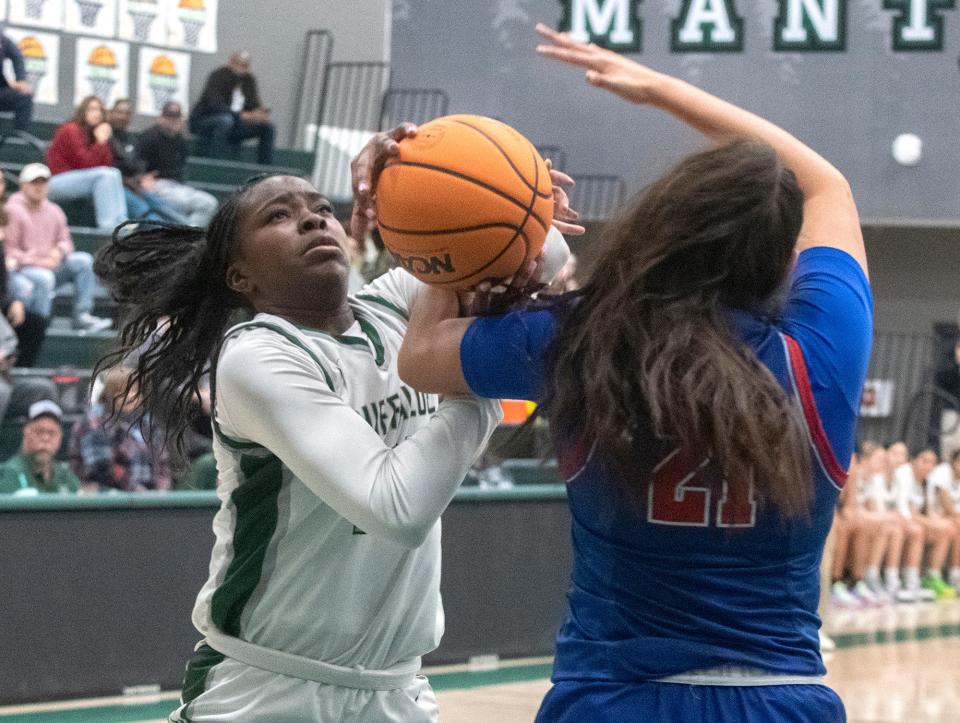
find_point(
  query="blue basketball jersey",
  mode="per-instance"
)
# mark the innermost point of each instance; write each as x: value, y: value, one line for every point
x: 694, y: 572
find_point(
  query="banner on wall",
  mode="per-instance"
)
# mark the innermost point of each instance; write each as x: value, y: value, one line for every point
x: 192, y: 24
x: 102, y: 68
x: 39, y: 13
x: 143, y: 21
x: 90, y: 17
x: 41, y: 60
x: 162, y: 75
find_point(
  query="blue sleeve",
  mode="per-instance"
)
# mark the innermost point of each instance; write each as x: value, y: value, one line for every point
x: 829, y: 312
x: 503, y: 357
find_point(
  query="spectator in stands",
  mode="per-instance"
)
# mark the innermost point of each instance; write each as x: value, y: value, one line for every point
x: 35, y: 468
x: 943, y: 499
x: 40, y: 253
x: 81, y: 162
x: 18, y: 393
x: 15, y: 95
x: 162, y: 149
x: 910, y: 485
x: 29, y: 328
x: 138, y: 185
x: 229, y: 110
x: 108, y: 449
x: 376, y: 258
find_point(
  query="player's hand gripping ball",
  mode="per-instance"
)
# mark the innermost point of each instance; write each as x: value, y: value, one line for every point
x: 466, y: 200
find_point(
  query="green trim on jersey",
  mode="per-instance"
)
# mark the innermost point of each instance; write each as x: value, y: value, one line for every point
x: 372, y: 342
x: 374, y: 336
x: 384, y: 303
x: 240, y: 444
x: 198, y: 668
x: 257, y: 512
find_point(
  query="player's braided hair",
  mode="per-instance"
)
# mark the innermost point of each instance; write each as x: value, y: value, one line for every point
x: 649, y: 356
x: 171, y: 284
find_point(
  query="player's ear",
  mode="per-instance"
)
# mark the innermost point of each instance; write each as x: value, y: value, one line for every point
x: 238, y: 280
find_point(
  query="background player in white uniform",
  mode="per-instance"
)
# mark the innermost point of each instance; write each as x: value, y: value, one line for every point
x: 324, y: 582
x: 909, y: 486
x: 943, y: 499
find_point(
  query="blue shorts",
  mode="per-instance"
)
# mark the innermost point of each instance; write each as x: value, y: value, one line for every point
x: 586, y: 702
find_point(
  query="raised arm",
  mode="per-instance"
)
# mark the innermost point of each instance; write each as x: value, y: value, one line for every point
x: 275, y: 396
x: 830, y: 215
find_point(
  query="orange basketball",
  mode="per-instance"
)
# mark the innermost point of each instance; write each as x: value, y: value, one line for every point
x: 467, y: 200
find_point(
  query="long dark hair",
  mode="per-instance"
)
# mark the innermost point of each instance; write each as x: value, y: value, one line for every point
x: 171, y: 284
x: 648, y: 352
x: 80, y: 115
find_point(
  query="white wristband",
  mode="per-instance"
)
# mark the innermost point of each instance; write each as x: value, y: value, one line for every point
x: 555, y: 255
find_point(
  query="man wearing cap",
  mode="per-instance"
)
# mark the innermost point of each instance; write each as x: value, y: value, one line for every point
x: 229, y: 110
x: 162, y: 149
x: 40, y: 253
x: 35, y: 468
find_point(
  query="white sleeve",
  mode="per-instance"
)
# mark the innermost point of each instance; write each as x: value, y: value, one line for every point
x: 939, y: 478
x: 903, y: 483
x: 270, y: 392
x: 396, y: 287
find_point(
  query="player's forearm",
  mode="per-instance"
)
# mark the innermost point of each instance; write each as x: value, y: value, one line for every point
x: 722, y: 121
x: 416, y: 480
x: 429, y: 359
x: 397, y: 493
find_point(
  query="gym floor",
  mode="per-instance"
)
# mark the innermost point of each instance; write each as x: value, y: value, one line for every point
x: 892, y: 665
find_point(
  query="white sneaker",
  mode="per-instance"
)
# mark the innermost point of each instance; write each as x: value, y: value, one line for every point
x: 904, y: 595
x: 926, y: 594
x: 863, y: 591
x: 89, y: 322
x: 842, y: 597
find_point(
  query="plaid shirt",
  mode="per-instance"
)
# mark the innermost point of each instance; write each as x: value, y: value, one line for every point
x: 115, y: 454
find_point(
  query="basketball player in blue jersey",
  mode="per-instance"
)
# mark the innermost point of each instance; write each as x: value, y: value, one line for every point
x: 702, y: 390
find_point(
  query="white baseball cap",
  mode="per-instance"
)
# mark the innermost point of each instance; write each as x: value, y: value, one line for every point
x: 33, y: 171
x: 44, y: 407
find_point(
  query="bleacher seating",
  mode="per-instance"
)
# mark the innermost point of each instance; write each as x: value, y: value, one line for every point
x: 64, y: 348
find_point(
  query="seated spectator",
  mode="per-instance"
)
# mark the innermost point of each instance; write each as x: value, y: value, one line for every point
x: 81, y: 162
x: 229, y: 111
x: 29, y: 328
x: 35, y: 468
x: 15, y: 95
x: 943, y: 499
x: 162, y: 149
x: 910, y: 485
x: 17, y: 394
x: 108, y: 449
x: 40, y: 253
x: 142, y: 203
x: 377, y: 259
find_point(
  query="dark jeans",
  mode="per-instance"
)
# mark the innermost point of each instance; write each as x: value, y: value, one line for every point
x: 30, y: 335
x: 20, y: 103
x: 223, y: 132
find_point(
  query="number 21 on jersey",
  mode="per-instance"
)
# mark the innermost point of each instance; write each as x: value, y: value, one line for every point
x: 680, y: 494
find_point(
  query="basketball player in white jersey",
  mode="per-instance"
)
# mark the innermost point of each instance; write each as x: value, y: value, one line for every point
x: 323, y: 591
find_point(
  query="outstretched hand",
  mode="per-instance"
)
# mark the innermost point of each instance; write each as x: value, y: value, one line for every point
x: 605, y: 68
x: 365, y: 170
x: 564, y: 217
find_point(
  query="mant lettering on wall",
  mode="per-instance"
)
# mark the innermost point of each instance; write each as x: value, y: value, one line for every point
x: 718, y: 26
